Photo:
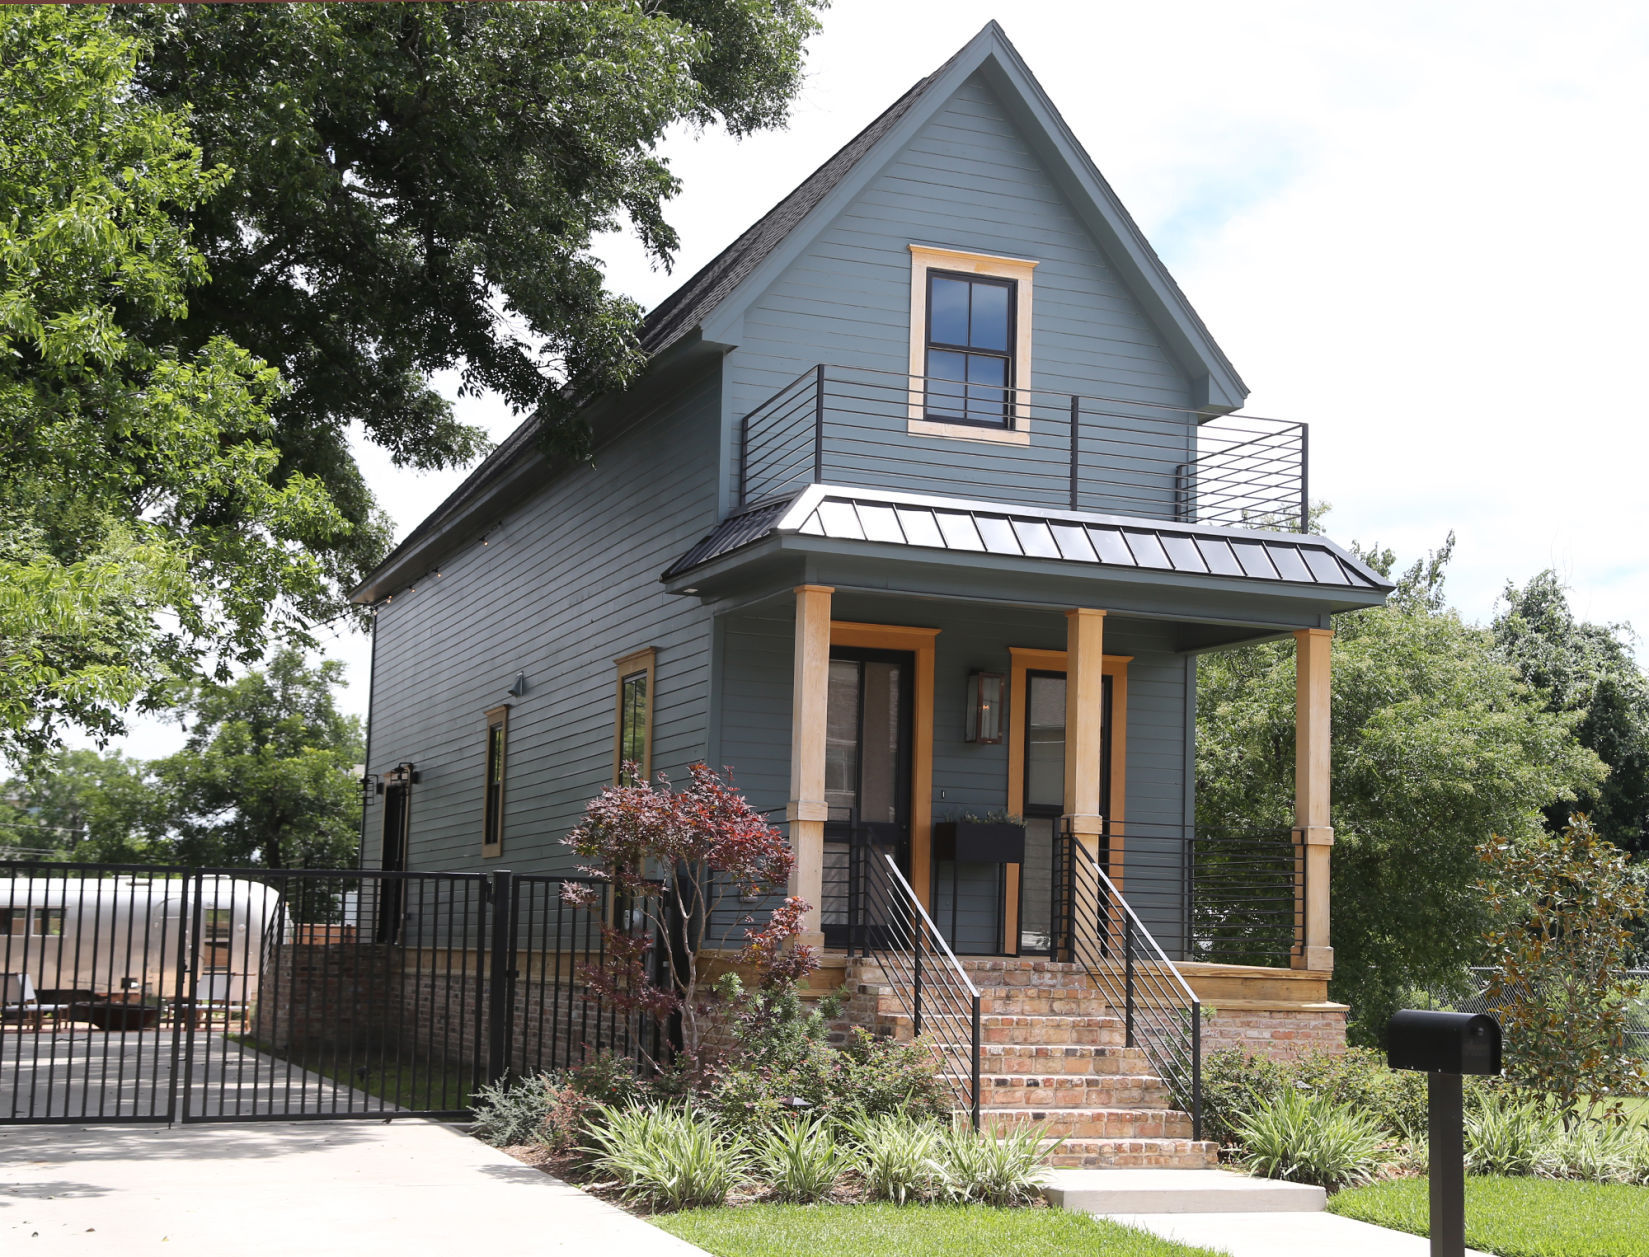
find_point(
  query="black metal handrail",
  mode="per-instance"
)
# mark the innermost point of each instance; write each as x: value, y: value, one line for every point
x: 889, y: 925
x: 1105, y: 454
x: 1162, y: 1016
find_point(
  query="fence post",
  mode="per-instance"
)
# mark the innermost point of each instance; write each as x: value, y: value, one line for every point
x: 916, y: 1019
x: 976, y: 1062
x: 1196, y: 1070
x: 500, y: 970
x: 1305, y: 478
x: 1076, y: 429
x: 1128, y: 975
x: 818, y: 423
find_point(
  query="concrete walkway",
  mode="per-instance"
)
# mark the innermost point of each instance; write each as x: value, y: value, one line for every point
x: 278, y: 1189
x: 1282, y: 1234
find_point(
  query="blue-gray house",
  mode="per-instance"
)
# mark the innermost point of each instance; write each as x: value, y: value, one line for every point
x: 930, y: 500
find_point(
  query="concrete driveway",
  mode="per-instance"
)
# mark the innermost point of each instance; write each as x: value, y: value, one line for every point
x: 295, y: 1189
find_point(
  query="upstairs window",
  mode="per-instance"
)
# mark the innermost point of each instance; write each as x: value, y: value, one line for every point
x: 633, y: 732
x: 492, y: 813
x: 970, y: 349
x: 970, y: 346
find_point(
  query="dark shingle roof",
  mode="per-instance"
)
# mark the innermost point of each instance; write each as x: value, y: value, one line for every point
x: 925, y: 521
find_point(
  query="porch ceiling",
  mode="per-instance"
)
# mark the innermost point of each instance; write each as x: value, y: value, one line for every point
x: 939, y: 546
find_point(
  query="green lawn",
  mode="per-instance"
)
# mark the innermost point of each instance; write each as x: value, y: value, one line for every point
x: 418, y: 1085
x: 911, y: 1231
x: 1519, y: 1217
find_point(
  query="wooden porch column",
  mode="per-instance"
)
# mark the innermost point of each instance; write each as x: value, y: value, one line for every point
x: 809, y: 696
x: 1312, y: 831
x: 1084, y: 710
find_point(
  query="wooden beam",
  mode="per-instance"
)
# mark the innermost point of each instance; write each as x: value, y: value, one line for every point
x: 809, y: 698
x: 1313, y: 833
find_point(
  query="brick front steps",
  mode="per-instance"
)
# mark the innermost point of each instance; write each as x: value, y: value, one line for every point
x: 1052, y: 1053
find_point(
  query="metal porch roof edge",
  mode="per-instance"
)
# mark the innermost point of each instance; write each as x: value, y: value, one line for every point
x: 937, y: 522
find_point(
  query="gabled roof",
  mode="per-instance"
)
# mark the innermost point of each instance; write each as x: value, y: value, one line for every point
x: 931, y: 522
x: 715, y: 297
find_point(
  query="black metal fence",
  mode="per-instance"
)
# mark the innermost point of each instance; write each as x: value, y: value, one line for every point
x: 1161, y: 1014
x: 850, y: 425
x: 150, y: 993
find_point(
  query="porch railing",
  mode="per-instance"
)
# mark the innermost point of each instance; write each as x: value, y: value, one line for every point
x: 1221, y: 897
x: 1162, y: 1016
x: 888, y: 924
x: 1104, y: 454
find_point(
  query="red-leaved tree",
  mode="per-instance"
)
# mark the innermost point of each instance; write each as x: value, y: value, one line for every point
x: 674, y: 859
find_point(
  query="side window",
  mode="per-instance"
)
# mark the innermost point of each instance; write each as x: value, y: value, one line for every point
x: 633, y: 719
x: 492, y: 813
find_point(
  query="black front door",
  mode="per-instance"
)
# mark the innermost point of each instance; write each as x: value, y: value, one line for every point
x: 391, y: 891
x: 1043, y: 711
x: 867, y: 771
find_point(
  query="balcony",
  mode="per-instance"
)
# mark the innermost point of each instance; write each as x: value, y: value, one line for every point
x: 1030, y: 447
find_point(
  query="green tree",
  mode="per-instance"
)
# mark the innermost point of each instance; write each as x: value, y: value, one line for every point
x: 82, y: 805
x: 1587, y: 670
x: 269, y: 773
x: 1565, y: 903
x: 147, y: 529
x: 416, y: 188
x: 1437, y: 744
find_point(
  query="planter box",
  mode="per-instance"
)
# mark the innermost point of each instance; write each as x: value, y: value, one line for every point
x: 979, y: 842
x: 114, y: 1015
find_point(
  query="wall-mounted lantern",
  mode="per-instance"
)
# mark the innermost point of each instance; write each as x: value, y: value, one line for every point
x: 984, y: 707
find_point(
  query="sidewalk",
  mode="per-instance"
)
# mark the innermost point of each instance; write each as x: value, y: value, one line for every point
x: 1282, y: 1234
x: 266, y: 1189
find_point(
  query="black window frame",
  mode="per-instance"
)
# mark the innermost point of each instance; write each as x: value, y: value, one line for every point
x: 994, y: 418
x: 497, y: 769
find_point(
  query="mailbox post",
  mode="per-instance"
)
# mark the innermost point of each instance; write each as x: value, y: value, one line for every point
x: 1445, y: 1047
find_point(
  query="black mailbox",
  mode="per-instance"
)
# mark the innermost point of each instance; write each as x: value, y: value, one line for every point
x: 1443, y: 1043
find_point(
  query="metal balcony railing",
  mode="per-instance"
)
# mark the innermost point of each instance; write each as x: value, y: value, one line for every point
x: 852, y: 425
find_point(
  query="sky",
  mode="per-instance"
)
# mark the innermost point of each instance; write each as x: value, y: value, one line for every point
x: 1417, y: 227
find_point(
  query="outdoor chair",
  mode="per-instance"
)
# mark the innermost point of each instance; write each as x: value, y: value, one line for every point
x: 215, y: 998
x: 20, y: 1003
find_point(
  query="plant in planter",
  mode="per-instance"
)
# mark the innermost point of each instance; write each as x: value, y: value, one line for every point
x: 980, y: 838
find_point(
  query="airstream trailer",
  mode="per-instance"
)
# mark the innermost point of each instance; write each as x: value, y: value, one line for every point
x: 129, y: 933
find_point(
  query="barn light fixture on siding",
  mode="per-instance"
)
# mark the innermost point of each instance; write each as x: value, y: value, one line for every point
x: 984, y: 707
x: 520, y: 686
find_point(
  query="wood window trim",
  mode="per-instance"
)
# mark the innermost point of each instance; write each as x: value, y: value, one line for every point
x: 1026, y: 660
x: 639, y: 661
x: 497, y: 717
x: 920, y: 642
x: 924, y: 259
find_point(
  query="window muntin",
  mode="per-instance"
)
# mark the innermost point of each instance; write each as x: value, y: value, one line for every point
x: 968, y: 365
x: 492, y: 807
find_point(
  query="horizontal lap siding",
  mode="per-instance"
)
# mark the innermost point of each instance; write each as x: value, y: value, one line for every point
x: 567, y: 584
x: 969, y: 181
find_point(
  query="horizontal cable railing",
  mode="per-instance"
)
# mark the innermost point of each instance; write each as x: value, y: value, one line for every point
x: 1109, y: 455
x: 889, y: 925
x: 1096, y: 928
x: 1220, y: 897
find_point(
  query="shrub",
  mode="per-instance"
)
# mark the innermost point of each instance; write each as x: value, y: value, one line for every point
x: 1602, y: 1151
x: 1310, y: 1139
x: 801, y: 1161
x: 512, y: 1111
x: 993, y: 1168
x: 1234, y: 1083
x: 897, y: 1157
x: 669, y: 1158
x: 1505, y: 1136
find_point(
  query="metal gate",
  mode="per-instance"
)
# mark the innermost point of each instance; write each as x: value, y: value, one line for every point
x: 139, y: 993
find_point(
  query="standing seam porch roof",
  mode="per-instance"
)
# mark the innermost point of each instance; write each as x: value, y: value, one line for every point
x: 925, y: 521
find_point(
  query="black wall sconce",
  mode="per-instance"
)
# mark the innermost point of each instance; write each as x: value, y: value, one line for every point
x: 984, y: 707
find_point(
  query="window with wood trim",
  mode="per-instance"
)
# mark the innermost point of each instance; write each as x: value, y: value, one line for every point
x: 633, y: 718
x: 970, y: 345
x: 492, y: 813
